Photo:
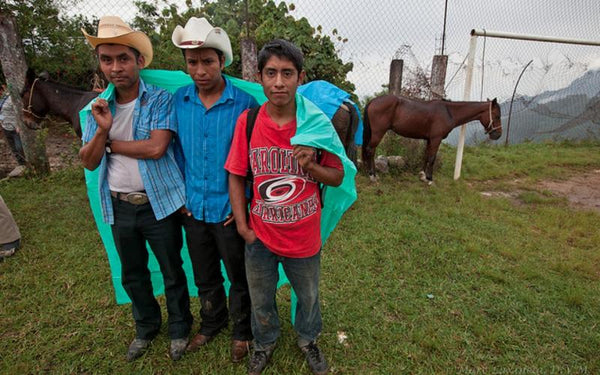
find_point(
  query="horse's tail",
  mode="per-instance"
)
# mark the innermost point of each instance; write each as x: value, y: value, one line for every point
x: 366, y: 131
x: 354, y: 120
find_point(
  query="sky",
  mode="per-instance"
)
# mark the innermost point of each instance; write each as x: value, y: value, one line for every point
x: 377, y: 31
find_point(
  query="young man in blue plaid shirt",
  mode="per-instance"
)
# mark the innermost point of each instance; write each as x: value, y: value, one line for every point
x: 128, y: 137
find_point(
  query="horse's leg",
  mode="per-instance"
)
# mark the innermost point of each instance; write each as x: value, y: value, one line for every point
x: 422, y: 175
x: 432, y: 148
x: 369, y: 160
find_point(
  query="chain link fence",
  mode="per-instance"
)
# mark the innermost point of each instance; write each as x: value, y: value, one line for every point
x: 557, y: 97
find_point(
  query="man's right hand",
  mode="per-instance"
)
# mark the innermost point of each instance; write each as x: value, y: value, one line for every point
x: 102, y: 115
x: 184, y: 211
x: 248, y: 235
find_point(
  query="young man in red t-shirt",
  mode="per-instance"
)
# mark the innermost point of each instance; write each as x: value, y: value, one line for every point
x: 283, y: 225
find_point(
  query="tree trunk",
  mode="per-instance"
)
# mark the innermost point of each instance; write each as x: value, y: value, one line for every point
x: 12, y: 59
x: 249, y: 60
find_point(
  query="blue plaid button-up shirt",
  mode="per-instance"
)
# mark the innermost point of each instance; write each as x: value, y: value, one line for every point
x: 202, y: 145
x: 162, y: 178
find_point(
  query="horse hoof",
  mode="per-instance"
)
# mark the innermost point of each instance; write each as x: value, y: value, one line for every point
x: 429, y: 183
x: 373, y: 178
x: 422, y: 176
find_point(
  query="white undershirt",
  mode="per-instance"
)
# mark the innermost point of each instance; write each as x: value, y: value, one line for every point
x: 123, y: 171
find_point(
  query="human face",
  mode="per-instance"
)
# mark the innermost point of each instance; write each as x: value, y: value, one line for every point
x: 205, y: 66
x: 119, y: 65
x: 280, y: 79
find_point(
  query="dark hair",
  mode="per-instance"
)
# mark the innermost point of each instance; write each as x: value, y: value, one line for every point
x: 218, y: 51
x: 280, y: 48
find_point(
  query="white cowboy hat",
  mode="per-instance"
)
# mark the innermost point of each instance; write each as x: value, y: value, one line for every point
x: 112, y: 30
x: 198, y: 33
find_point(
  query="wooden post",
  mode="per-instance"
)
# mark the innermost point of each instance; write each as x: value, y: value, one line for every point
x: 12, y: 59
x: 249, y: 60
x: 396, y: 76
x: 438, y: 76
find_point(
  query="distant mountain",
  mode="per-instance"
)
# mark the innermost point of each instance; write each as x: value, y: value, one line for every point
x: 572, y: 112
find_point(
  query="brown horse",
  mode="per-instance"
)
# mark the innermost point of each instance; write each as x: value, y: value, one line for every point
x: 430, y: 120
x: 42, y: 96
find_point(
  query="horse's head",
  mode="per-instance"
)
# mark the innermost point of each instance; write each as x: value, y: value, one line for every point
x: 35, y: 106
x: 491, y: 120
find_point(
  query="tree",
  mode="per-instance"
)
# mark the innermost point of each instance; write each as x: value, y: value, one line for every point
x: 263, y: 21
x: 53, y: 41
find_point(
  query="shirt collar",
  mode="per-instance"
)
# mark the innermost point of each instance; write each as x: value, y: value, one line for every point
x: 192, y: 93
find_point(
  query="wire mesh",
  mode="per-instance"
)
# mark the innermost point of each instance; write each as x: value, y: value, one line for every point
x: 557, y: 97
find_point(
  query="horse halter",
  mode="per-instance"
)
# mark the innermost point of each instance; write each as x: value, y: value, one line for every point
x: 28, y: 109
x: 489, y: 127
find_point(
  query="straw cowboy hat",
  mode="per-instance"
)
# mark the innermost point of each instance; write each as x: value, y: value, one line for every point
x: 198, y: 33
x: 112, y: 30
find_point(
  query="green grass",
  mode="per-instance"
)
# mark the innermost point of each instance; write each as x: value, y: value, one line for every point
x: 421, y: 279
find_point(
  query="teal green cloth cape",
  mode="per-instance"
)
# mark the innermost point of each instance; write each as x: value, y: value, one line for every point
x: 314, y: 129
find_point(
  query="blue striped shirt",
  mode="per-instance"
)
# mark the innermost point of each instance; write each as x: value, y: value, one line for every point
x: 162, y: 178
x: 202, y: 145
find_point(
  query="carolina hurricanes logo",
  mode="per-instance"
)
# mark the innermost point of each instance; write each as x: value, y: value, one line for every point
x: 281, y: 190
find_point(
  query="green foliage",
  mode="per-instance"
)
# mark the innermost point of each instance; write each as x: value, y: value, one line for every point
x: 53, y: 41
x: 58, y: 46
x: 263, y: 21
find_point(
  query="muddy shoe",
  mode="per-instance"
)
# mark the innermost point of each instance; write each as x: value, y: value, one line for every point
x: 6, y: 253
x: 17, y: 172
x: 239, y: 349
x: 137, y: 348
x: 315, y: 359
x: 198, y: 341
x: 8, y: 249
x: 258, y: 361
x: 178, y: 348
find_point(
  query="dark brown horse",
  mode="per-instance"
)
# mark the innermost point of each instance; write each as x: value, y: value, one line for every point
x: 42, y: 96
x: 430, y: 120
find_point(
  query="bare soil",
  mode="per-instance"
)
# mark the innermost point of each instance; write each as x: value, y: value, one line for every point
x: 582, y: 191
x: 62, y: 145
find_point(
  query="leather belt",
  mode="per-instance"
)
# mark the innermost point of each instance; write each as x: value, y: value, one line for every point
x: 136, y: 197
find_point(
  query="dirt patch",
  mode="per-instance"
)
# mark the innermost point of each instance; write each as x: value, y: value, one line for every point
x: 62, y: 146
x: 581, y: 191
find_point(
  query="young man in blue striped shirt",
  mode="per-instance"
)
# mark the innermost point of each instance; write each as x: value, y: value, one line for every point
x: 206, y: 113
x: 128, y: 137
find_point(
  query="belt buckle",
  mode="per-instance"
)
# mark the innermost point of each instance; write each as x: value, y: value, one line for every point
x: 137, y: 198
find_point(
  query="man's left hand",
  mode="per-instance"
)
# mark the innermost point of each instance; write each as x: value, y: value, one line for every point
x: 305, y: 155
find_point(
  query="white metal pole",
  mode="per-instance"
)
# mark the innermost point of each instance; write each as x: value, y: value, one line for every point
x: 537, y: 38
x: 466, y: 97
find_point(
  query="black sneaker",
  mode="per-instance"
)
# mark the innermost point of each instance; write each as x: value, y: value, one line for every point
x: 258, y: 361
x: 315, y: 359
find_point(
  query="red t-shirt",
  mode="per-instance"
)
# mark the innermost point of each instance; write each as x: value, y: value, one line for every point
x: 285, y: 211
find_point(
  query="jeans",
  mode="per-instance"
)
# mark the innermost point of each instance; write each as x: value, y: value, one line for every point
x: 14, y: 141
x: 133, y: 226
x: 262, y: 270
x: 208, y: 244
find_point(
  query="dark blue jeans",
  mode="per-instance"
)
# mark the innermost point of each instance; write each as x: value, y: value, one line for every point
x: 208, y: 244
x: 14, y: 141
x: 133, y: 226
x: 262, y: 270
